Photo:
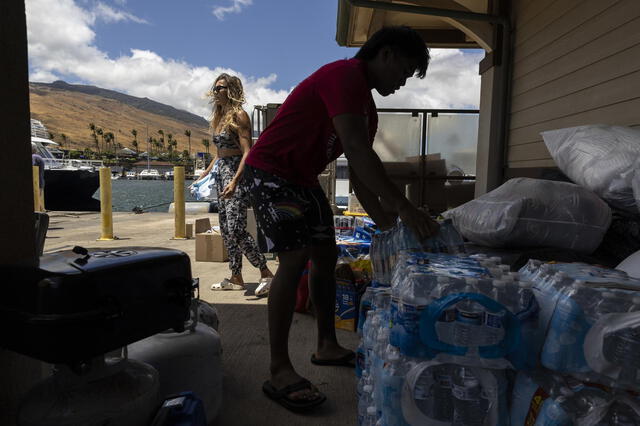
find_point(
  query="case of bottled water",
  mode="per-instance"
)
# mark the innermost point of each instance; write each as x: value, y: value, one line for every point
x: 589, y: 322
x: 549, y: 399
x: 442, y: 394
x: 442, y: 332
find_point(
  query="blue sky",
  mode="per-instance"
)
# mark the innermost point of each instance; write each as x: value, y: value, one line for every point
x: 171, y: 51
x: 264, y: 37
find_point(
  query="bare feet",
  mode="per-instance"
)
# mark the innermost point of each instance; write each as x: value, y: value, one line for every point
x: 331, y: 350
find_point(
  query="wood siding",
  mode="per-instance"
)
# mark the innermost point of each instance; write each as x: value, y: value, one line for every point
x: 575, y: 62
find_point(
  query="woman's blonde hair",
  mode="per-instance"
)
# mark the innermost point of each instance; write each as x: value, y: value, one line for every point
x: 223, y: 117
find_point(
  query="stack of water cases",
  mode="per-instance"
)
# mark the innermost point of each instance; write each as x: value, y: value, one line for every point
x: 449, y: 338
x: 442, y: 333
x: 588, y: 343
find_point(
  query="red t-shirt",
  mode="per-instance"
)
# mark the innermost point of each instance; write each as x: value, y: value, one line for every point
x: 300, y: 141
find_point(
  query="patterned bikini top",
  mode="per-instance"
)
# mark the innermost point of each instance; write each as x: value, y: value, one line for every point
x: 226, y: 140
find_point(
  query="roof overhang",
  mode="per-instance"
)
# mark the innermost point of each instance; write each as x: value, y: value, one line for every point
x: 441, y: 23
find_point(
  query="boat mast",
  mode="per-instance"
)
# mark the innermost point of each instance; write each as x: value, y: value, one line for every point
x: 146, y: 132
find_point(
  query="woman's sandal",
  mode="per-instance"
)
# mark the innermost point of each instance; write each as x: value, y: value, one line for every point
x: 263, y: 287
x: 226, y: 284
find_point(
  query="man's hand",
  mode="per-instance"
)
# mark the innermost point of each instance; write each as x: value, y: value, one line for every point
x: 418, y: 221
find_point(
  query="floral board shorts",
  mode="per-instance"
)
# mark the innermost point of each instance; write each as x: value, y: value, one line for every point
x: 289, y: 216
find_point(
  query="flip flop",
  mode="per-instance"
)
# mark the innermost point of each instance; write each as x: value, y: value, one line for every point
x: 297, y: 405
x: 226, y: 285
x: 348, y: 360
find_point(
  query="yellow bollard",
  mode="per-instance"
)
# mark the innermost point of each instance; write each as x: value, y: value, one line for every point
x: 105, y: 205
x: 36, y: 188
x: 178, y: 203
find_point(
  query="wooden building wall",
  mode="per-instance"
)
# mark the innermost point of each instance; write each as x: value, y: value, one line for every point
x: 575, y: 62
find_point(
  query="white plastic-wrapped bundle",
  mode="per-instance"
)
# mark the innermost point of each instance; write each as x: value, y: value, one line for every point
x: 528, y: 212
x: 601, y: 158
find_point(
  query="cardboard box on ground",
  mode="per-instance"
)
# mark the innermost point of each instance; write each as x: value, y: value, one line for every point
x: 436, y: 194
x: 209, y: 245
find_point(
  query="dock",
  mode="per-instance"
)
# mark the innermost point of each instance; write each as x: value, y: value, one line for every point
x: 243, y: 323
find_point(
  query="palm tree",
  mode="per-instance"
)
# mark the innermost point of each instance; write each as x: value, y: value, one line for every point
x: 206, y: 144
x: 100, y: 132
x: 109, y: 137
x: 187, y: 133
x: 161, y: 138
x: 94, y: 136
x: 134, y: 132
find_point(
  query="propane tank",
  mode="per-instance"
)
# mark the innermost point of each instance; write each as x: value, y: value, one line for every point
x: 187, y: 361
x: 113, y: 391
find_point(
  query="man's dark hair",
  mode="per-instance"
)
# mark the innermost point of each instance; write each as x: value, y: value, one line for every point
x: 400, y: 39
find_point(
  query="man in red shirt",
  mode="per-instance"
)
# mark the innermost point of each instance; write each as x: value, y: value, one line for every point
x: 330, y: 112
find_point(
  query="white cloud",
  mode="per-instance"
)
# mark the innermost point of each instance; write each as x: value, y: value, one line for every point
x: 235, y: 7
x: 61, y: 45
x: 110, y: 15
x: 452, y: 81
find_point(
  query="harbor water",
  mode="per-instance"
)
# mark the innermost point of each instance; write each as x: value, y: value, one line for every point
x: 127, y: 194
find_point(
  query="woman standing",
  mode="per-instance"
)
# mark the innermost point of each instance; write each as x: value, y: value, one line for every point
x: 232, y: 138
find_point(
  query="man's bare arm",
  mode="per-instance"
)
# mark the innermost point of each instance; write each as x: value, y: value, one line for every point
x: 370, y: 202
x: 354, y: 134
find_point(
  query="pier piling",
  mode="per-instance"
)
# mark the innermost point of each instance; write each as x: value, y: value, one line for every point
x: 105, y: 205
x: 180, y: 232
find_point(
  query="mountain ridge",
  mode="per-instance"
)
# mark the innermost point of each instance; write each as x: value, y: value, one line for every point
x: 69, y: 109
x: 144, y: 104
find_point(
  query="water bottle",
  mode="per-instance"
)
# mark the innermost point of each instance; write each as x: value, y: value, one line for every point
x: 469, y: 316
x: 393, y: 377
x: 366, y: 302
x: 414, y: 298
x: 620, y: 414
x: 470, y: 409
x: 622, y: 348
x: 442, y: 393
x: 371, y: 418
x: 612, y: 303
x: 364, y: 403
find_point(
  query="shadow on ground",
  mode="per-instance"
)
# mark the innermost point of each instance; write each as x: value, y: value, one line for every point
x: 243, y: 330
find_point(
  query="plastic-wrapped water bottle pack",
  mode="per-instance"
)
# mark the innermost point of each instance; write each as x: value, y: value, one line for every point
x: 549, y: 399
x: 443, y: 334
x: 589, y: 322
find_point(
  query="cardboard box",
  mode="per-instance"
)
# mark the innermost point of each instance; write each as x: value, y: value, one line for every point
x: 210, y: 248
x: 347, y: 305
x: 188, y: 230
x: 202, y: 225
